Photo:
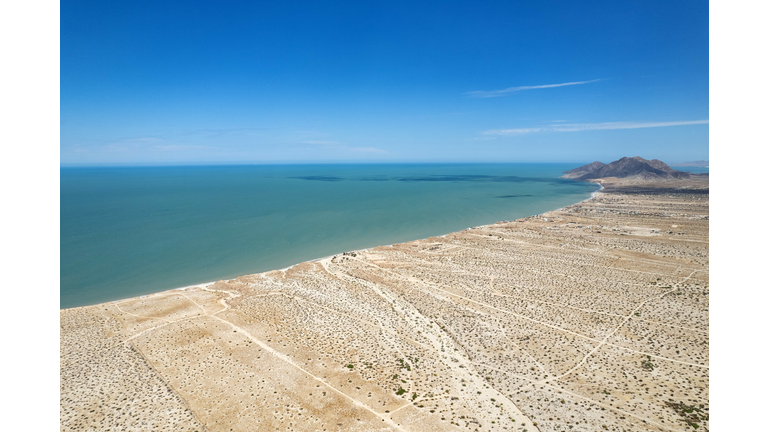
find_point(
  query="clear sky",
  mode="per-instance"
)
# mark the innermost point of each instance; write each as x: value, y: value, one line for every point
x: 274, y: 82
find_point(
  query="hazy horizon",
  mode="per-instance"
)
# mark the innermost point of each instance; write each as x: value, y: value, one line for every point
x: 288, y: 163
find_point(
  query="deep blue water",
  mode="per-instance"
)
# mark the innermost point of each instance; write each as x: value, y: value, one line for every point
x: 132, y: 231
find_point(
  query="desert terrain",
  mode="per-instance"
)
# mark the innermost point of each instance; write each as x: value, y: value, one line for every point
x: 593, y: 317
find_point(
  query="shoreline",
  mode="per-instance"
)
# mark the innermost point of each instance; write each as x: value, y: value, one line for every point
x: 209, y: 283
x: 591, y: 196
x: 622, y: 285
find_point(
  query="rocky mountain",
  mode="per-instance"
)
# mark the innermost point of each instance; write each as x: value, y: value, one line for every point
x: 583, y: 170
x: 627, y: 167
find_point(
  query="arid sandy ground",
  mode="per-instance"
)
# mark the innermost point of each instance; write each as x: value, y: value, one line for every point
x: 593, y: 317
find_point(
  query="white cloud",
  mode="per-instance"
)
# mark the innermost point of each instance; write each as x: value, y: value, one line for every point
x: 511, y: 131
x: 506, y: 91
x: 577, y: 127
x: 368, y: 150
x: 150, y: 144
x: 621, y: 125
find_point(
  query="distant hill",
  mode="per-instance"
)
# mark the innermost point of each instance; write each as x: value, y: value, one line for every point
x: 700, y: 163
x: 627, y: 167
x: 583, y: 170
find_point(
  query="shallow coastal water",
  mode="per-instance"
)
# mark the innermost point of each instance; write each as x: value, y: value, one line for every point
x: 131, y: 231
x: 695, y: 170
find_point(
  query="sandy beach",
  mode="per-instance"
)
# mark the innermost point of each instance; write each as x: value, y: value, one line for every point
x: 589, y: 317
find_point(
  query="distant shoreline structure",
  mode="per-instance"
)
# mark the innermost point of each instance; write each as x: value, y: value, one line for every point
x: 698, y: 164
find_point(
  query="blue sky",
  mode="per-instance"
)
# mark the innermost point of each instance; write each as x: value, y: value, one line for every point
x: 275, y: 82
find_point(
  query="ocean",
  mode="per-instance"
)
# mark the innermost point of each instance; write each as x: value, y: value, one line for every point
x: 695, y: 170
x: 130, y: 231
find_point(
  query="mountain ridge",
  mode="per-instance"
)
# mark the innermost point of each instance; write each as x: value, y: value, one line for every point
x: 635, y: 168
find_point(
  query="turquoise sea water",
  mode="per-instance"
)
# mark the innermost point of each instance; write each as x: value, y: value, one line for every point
x: 132, y: 231
x: 695, y: 170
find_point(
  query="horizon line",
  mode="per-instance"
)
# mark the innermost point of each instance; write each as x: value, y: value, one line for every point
x: 241, y: 164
